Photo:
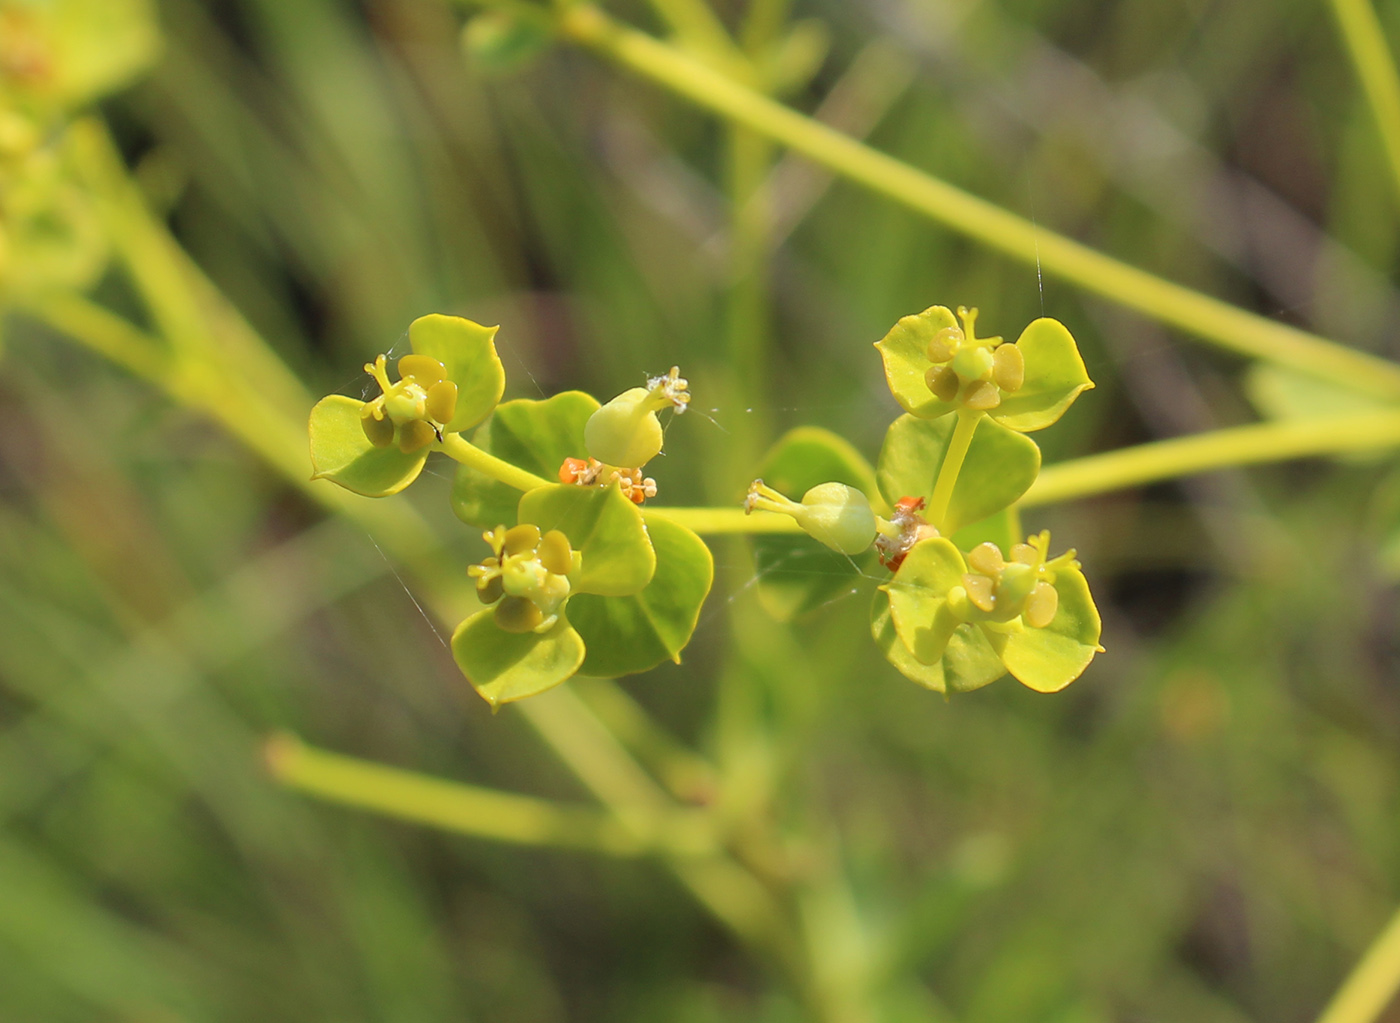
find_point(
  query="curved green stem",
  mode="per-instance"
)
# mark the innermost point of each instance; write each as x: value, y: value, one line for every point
x: 1218, y: 449
x: 1373, y: 982
x: 1208, y: 318
x: 456, y: 447
x: 1375, y: 66
x: 452, y: 806
x: 952, y: 465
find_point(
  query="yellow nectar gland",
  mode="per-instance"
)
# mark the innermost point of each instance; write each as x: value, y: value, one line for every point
x: 973, y: 371
x: 414, y: 410
x: 1000, y: 590
x: 527, y: 576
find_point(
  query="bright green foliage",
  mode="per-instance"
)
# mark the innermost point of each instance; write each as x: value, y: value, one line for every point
x: 341, y: 452
x: 625, y: 635
x: 536, y: 436
x: 919, y: 348
x: 397, y: 427
x: 1000, y: 466
x: 797, y: 574
x: 507, y: 666
x: 604, y: 526
x: 1282, y: 393
x: 468, y: 352
x: 1034, y: 617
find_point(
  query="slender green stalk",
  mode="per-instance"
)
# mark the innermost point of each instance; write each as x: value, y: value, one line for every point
x: 1208, y: 318
x: 454, y: 446
x: 452, y: 806
x: 1375, y: 66
x: 1373, y: 982
x: 1219, y: 449
x: 952, y: 465
x: 717, y: 521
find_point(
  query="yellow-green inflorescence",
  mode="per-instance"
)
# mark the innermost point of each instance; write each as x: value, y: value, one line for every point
x: 998, y: 589
x: 626, y: 433
x: 413, y: 411
x: 527, y: 576
x: 971, y: 370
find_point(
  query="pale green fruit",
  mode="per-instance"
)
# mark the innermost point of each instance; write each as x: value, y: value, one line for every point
x: 839, y: 516
x: 625, y: 432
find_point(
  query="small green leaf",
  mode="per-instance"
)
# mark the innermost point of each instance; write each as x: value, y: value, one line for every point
x: 534, y: 435
x: 507, y: 666
x: 969, y: 662
x: 468, y: 350
x: 1055, y: 375
x: 918, y: 592
x: 604, y: 526
x: 1000, y: 466
x: 905, y: 353
x: 341, y: 452
x: 797, y: 574
x: 625, y: 635
x: 1049, y: 659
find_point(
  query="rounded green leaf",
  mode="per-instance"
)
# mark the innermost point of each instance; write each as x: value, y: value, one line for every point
x: 341, y: 453
x: 1049, y: 659
x: 1000, y: 466
x: 468, y: 350
x: 904, y: 351
x: 968, y: 663
x: 625, y: 635
x: 536, y: 436
x: 1002, y: 529
x: 918, y: 593
x: 607, y: 528
x: 796, y: 574
x: 506, y: 666
x: 1055, y: 375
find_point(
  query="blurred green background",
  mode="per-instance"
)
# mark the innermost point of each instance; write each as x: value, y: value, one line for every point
x: 1205, y: 827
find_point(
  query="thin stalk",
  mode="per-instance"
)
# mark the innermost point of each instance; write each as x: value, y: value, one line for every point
x: 1208, y: 318
x: 1373, y: 982
x: 459, y: 449
x: 1218, y: 449
x: 952, y: 465
x: 1375, y: 66
x: 452, y: 806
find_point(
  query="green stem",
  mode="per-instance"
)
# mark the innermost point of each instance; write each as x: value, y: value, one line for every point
x: 1218, y: 449
x: 1373, y: 982
x: 716, y: 521
x: 1375, y: 66
x: 456, y: 447
x: 452, y: 806
x: 1208, y: 318
x: 952, y: 465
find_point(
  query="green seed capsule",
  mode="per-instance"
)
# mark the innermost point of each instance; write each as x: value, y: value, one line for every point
x: 379, y: 431
x: 523, y: 576
x: 405, y: 402
x: 1008, y: 368
x: 1017, y: 582
x: 1041, y: 606
x: 625, y: 432
x: 943, y: 382
x: 839, y: 516
x: 517, y: 614
x: 973, y: 362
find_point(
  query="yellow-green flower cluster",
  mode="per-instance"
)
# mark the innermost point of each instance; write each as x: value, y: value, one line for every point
x: 527, y: 576
x: 974, y: 371
x: 412, y: 411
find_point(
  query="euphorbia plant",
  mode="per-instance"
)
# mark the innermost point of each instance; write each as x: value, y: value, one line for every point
x: 582, y: 579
